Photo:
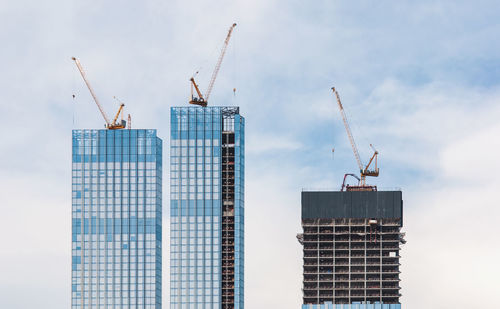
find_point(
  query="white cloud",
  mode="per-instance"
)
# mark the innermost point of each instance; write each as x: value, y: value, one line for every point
x: 473, y: 159
x: 451, y: 258
x: 273, y: 263
x: 267, y: 143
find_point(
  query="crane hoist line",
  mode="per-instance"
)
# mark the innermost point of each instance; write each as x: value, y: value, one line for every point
x: 364, y: 171
x: 110, y: 125
x: 203, y: 100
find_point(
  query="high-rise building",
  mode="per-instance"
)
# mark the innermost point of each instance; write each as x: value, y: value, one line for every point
x: 116, y: 219
x: 351, y: 242
x: 206, y: 207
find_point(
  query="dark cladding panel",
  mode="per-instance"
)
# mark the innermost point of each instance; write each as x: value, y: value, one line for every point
x: 322, y: 205
x: 361, y: 201
x: 353, y: 204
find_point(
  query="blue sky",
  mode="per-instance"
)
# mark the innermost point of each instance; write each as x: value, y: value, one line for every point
x: 421, y: 81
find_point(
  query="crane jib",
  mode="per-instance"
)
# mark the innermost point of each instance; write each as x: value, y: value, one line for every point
x: 363, y: 171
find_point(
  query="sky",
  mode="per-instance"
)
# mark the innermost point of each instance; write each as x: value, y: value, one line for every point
x: 420, y: 80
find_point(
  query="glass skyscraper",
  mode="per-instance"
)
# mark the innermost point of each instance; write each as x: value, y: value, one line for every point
x: 206, y: 208
x: 116, y: 219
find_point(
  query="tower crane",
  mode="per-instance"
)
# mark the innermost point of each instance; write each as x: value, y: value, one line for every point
x: 364, y: 171
x: 109, y: 125
x: 203, y: 100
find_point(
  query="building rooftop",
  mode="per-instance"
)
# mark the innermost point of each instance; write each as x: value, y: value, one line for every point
x: 351, y: 204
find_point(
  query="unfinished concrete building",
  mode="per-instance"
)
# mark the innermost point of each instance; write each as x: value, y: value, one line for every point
x: 351, y: 244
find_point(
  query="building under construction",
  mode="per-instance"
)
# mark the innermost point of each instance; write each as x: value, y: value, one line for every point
x: 351, y: 243
x: 207, y: 207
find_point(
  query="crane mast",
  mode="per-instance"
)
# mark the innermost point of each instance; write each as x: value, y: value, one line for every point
x: 200, y: 100
x: 364, y: 171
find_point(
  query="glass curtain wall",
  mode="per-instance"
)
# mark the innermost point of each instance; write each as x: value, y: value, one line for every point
x: 196, y: 207
x: 116, y: 219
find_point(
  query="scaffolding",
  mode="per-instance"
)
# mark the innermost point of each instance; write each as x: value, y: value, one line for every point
x: 228, y: 214
x: 351, y: 260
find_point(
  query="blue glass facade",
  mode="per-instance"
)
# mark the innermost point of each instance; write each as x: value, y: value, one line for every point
x: 116, y: 219
x: 207, y: 208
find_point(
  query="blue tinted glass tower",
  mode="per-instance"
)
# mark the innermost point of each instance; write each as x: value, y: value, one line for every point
x: 206, y: 207
x: 116, y: 219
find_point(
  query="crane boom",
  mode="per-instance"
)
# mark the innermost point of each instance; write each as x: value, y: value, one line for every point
x: 364, y: 171
x: 219, y: 62
x: 348, y: 129
x: 82, y: 72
